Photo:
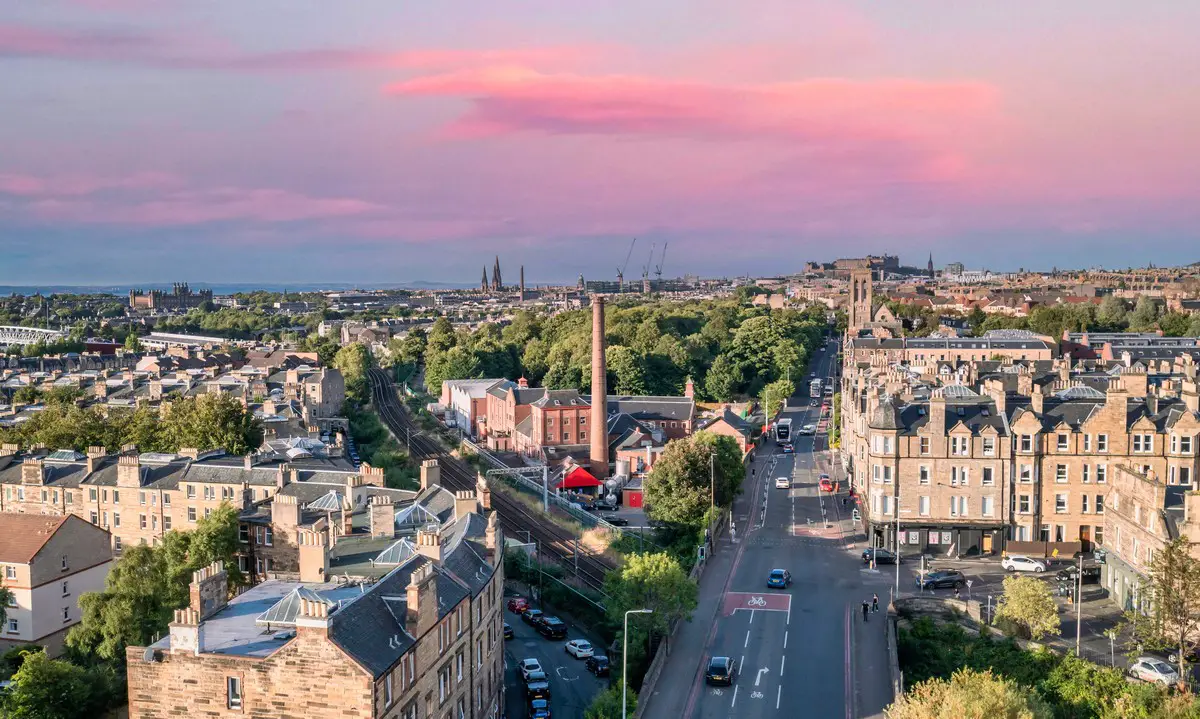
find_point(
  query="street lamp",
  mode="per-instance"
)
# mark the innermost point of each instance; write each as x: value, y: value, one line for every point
x: 625, y: 658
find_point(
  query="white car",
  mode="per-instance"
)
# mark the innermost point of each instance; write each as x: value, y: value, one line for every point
x: 783, y: 483
x: 1018, y: 563
x: 1153, y: 669
x: 529, y: 666
x: 580, y: 648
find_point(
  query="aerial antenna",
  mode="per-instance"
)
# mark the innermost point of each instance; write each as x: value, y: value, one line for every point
x: 621, y: 269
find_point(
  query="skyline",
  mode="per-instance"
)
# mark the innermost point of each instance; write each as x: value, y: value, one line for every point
x: 381, y: 144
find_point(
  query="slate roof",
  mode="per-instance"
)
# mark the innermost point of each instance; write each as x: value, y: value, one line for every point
x: 652, y: 407
x: 562, y: 398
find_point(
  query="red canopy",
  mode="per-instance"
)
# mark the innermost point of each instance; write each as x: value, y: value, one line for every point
x: 578, y: 478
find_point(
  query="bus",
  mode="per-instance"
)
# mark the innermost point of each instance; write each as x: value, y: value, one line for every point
x: 783, y: 430
x: 814, y: 389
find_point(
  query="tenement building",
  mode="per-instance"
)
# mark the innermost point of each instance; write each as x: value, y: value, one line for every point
x: 402, y: 626
x: 973, y: 455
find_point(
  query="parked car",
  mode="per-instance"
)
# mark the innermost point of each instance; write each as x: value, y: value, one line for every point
x: 942, y: 579
x: 535, y: 677
x: 531, y: 616
x: 597, y: 664
x: 1021, y: 563
x: 508, y: 631
x: 538, y: 689
x: 517, y: 605
x: 779, y: 579
x: 618, y: 521
x: 1091, y: 575
x: 721, y: 670
x: 530, y: 665
x: 880, y: 555
x: 783, y: 483
x: 539, y: 709
x: 552, y: 628
x: 1153, y: 669
x: 580, y: 648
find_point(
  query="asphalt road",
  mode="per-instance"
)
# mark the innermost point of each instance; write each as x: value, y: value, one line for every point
x: 805, y: 651
x: 572, y: 687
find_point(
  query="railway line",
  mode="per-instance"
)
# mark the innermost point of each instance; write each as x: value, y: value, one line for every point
x: 456, y: 475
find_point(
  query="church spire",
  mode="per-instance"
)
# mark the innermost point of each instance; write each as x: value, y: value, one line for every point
x: 484, y: 284
x: 497, y: 283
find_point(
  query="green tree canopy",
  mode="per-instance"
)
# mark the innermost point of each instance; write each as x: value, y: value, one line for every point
x: 689, y: 471
x: 1028, y: 603
x: 649, y: 581
x: 353, y: 361
x: 1173, y: 586
x: 45, y: 688
x: 607, y: 704
x: 970, y: 694
x: 211, y: 421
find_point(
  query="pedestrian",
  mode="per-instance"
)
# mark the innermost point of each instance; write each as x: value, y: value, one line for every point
x: 956, y: 594
x: 874, y: 602
x: 866, y: 608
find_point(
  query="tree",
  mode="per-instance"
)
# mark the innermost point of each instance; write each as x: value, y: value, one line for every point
x: 1112, y: 312
x: 458, y: 362
x: 774, y: 395
x: 353, y: 361
x: 27, y: 395
x: 723, y: 378
x: 1173, y: 589
x: 626, y: 370
x: 6, y: 598
x: 970, y: 694
x: 441, y: 335
x: 728, y: 469
x: 210, y: 421
x: 132, y: 343
x: 650, y: 581
x: 1144, y: 315
x: 688, y: 472
x: 45, y: 688
x: 607, y: 704
x: 976, y: 318
x: 1028, y: 603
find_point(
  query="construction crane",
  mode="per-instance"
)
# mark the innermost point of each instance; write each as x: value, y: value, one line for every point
x: 621, y: 269
x: 658, y: 269
x: 646, y: 269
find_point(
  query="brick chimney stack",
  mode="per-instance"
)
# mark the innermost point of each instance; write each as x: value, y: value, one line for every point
x: 421, y: 601
x: 431, y: 473
x: 382, y: 517
x: 209, y: 591
x: 599, y: 418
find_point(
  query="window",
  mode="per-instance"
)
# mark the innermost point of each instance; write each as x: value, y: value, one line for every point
x: 141, y: 521
x: 881, y: 474
x: 458, y: 667
x: 960, y: 446
x: 1101, y: 473
x: 1099, y: 534
x: 1023, y: 504
x: 243, y: 534
x: 1044, y: 533
x: 233, y: 692
x: 989, y: 446
x: 958, y: 506
x: 583, y: 421
x: 1026, y: 473
x: 207, y: 512
x: 988, y: 478
x: 387, y: 691
x: 14, y: 627
x: 92, y: 494
x: 166, y: 522
x: 1185, y: 475
x: 191, y: 491
x: 1102, y: 443
x: 549, y: 436
x: 166, y: 500
x: 270, y: 537
x: 1060, y: 503
x: 116, y: 496
x: 1087, y: 443
x: 924, y: 443
x: 141, y: 497
x: 923, y: 506
x: 210, y: 493
x: 116, y: 519
x: 1099, y: 508
x: 1060, y: 473
x: 116, y: 543
x: 191, y: 514
x: 95, y: 518
x: 1027, y: 443
x: 104, y: 519
x: 1143, y: 443
x: 923, y: 474
x: 66, y: 614
x: 1185, y: 445
x: 1060, y: 533
x: 66, y: 587
x: 1087, y: 469
x: 1064, y: 441
x: 987, y: 507
x: 10, y: 572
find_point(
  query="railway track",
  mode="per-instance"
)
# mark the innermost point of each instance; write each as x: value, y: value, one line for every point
x: 456, y: 475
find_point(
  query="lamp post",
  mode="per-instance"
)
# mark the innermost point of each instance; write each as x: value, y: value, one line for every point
x: 625, y: 658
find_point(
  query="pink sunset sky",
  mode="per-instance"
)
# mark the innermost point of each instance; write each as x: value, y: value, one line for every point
x: 377, y: 141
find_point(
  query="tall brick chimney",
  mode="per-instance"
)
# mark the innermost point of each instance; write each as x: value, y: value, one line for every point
x: 421, y: 601
x: 431, y: 473
x: 599, y: 418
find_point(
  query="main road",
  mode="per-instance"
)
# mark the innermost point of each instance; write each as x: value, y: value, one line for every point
x: 805, y: 651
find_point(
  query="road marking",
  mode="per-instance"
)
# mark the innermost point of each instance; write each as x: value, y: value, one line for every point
x: 782, y: 660
x: 758, y: 677
x: 747, y: 642
x: 785, y: 640
x: 778, y: 695
x: 733, y: 703
x: 849, y: 682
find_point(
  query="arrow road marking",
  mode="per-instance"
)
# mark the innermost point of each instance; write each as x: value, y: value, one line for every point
x: 758, y: 677
x: 559, y: 672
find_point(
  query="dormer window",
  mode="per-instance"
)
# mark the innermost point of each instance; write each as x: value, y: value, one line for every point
x: 1064, y: 441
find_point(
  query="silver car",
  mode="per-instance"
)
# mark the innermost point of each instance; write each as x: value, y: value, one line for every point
x: 1153, y: 669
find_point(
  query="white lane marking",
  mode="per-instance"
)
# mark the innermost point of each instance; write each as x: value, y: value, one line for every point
x: 778, y: 695
x: 782, y: 660
x: 733, y: 703
x: 747, y: 642
x: 785, y: 640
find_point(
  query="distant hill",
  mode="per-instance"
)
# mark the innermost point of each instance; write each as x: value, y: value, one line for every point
x: 228, y: 288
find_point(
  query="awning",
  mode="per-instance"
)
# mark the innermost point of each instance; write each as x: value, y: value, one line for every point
x: 578, y: 478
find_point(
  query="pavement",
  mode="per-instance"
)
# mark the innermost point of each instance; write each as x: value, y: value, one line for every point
x: 572, y: 687
x: 804, y: 651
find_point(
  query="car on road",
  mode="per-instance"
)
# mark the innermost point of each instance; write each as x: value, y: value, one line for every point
x: 1021, y: 563
x: 787, y: 448
x: 1153, y: 669
x: 812, y: 403
x: 580, y: 648
x: 721, y: 670
x: 531, y: 616
x: 517, y: 605
x: 552, y: 628
x: 826, y: 484
x: 779, y: 579
x: 539, y: 689
x: 536, y: 677
x: 880, y: 555
x: 508, y: 631
x: 597, y: 664
x: 539, y: 709
x: 808, y: 429
x: 618, y: 521
x: 1091, y: 575
x: 783, y: 483
x: 529, y: 666
x: 941, y: 579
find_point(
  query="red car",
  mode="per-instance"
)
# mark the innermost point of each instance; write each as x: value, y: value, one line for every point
x: 826, y: 484
x: 518, y: 604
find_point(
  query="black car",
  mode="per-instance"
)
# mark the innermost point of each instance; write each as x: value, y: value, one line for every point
x: 618, y: 521
x: 538, y: 690
x: 552, y: 628
x: 597, y: 664
x: 535, y: 677
x: 942, y: 579
x: 721, y: 670
x: 531, y: 617
x: 1091, y: 575
x: 508, y: 631
x: 881, y: 555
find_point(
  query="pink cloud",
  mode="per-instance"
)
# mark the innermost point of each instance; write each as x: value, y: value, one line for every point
x: 514, y: 99
x: 80, y: 185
